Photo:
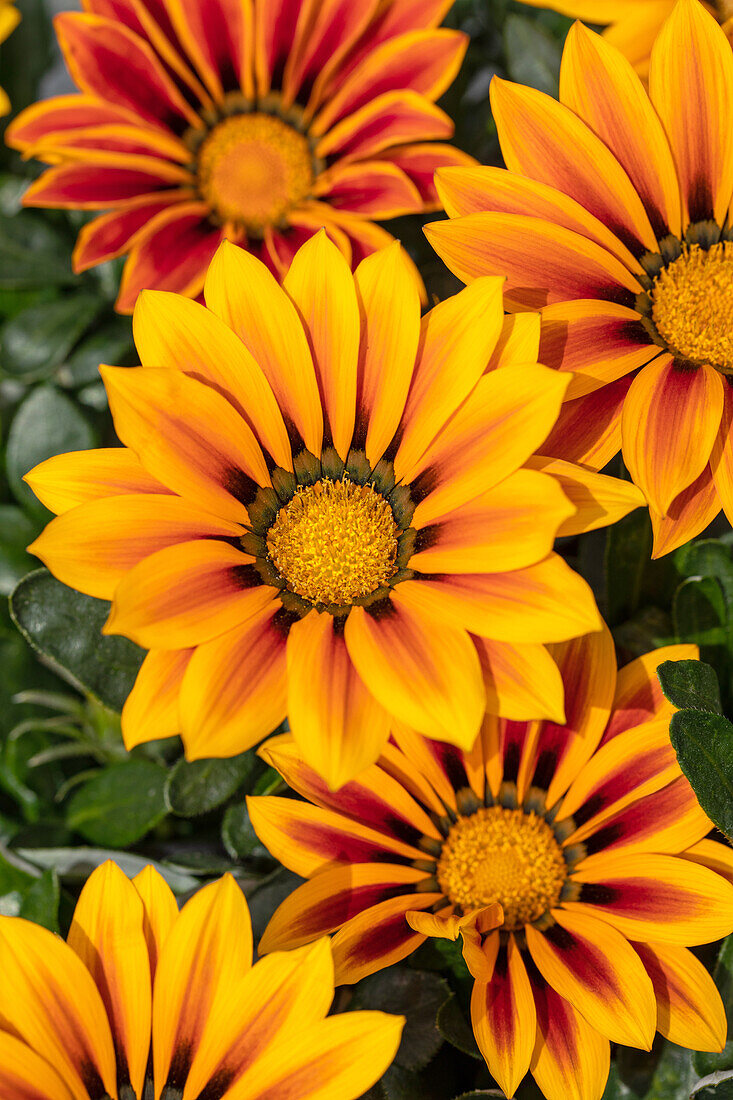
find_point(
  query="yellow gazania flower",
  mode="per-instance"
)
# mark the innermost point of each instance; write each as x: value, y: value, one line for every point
x: 570, y: 858
x: 631, y: 25
x: 319, y: 497
x: 143, y: 1000
x: 613, y: 218
x: 9, y: 19
x: 258, y: 121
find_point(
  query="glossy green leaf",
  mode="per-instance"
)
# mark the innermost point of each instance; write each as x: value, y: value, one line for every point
x: 700, y: 613
x: 33, y: 253
x: 706, y: 1062
x: 704, y: 747
x: 16, y: 532
x: 690, y: 685
x: 415, y: 994
x: 41, y: 901
x: 532, y: 55
x: 120, y: 804
x: 75, y: 865
x: 716, y: 1086
x: 455, y: 1028
x: 35, y: 342
x: 112, y: 343
x: 238, y: 836
x: 195, y: 787
x: 628, y: 553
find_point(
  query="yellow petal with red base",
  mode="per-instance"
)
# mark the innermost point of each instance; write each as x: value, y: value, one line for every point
x: 187, y: 594
x: 171, y: 331
x: 394, y: 118
x: 188, y: 435
x: 322, y: 287
x: 401, y: 660
x: 233, y: 693
x: 593, y: 967
x: 639, y: 697
x: 208, y: 950
x: 711, y: 853
x: 93, y: 546
x: 670, y: 421
x: 688, y: 515
x: 371, y: 189
x: 25, y: 1075
x: 378, y: 937
x: 571, y: 1058
x: 161, y: 911
x: 151, y: 709
x: 504, y: 1018
x: 691, y: 86
x: 690, y: 1012
x: 55, y: 1007
x: 77, y: 477
x: 338, y: 725
x: 522, y: 681
x: 588, y: 429
x: 107, y: 933
x: 599, y: 500
x: 267, y: 323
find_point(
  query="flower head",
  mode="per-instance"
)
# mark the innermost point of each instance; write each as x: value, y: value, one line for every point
x: 258, y: 121
x: 328, y: 508
x: 9, y: 19
x: 145, y: 1001
x: 570, y: 858
x: 612, y: 218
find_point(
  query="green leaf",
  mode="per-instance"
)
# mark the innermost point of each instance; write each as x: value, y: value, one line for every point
x: 197, y: 786
x: 482, y: 1094
x: 33, y: 253
x: 41, y: 901
x: 120, y: 804
x: 716, y: 1086
x: 674, y: 1075
x: 75, y: 865
x: 37, y: 340
x: 628, y: 552
x: 414, y: 994
x: 26, y: 54
x: 709, y: 1062
x: 112, y: 343
x: 704, y: 747
x: 699, y: 611
x: 238, y: 836
x: 16, y: 532
x: 455, y: 1028
x: 690, y: 685
x: 65, y: 626
x: 47, y: 423
x: 532, y: 55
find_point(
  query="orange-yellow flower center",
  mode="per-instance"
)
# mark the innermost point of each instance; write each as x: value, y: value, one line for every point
x: 503, y: 855
x: 253, y: 169
x: 692, y: 305
x: 334, y: 542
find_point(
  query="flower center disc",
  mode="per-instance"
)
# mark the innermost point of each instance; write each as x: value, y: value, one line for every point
x: 252, y: 169
x: 503, y: 855
x: 334, y: 542
x: 692, y: 305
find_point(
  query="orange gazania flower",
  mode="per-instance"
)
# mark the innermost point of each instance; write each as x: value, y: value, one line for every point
x: 258, y: 121
x: 632, y: 25
x: 9, y: 19
x: 570, y: 858
x: 145, y: 1001
x: 613, y: 219
x: 320, y: 495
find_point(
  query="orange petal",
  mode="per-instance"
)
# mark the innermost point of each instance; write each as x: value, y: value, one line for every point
x: 395, y: 118
x: 690, y: 1012
x: 639, y: 697
x: 504, y: 1018
x: 522, y: 681
x: 74, y: 478
x: 371, y: 189
x: 599, y: 500
x: 161, y: 911
x: 689, y: 514
x: 378, y: 937
x: 571, y: 1058
x: 25, y: 1075
x: 151, y: 709
x: 588, y: 430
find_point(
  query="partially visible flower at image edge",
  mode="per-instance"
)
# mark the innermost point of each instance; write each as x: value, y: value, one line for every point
x: 144, y: 998
x: 613, y: 218
x: 255, y: 121
x: 9, y: 19
x: 329, y: 508
x: 571, y: 860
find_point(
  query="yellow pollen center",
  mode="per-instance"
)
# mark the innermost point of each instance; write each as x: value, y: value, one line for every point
x: 252, y: 169
x: 692, y: 305
x: 503, y: 855
x: 334, y: 542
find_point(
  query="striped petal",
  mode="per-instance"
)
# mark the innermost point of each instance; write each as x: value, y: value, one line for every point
x: 234, y: 690
x: 331, y: 898
x: 420, y: 161
x: 339, y: 726
x: 66, y: 113
x: 639, y: 697
x: 92, y: 547
x: 661, y: 898
x: 216, y: 35
x: 395, y: 118
x: 113, y: 234
x: 599, y: 973
x: 599, y: 500
x: 76, y: 477
x: 206, y: 954
x: 242, y: 292
x: 107, y: 933
x: 504, y: 1018
x: 588, y: 429
x: 378, y: 937
x: 188, y: 435
x: 98, y: 186
x: 372, y: 189
x: 687, y: 516
x: 401, y: 661
x: 151, y: 709
x: 690, y: 1012
x: 571, y: 1058
x: 187, y: 594
x: 670, y: 422
x: 713, y: 854
x: 25, y: 1075
x: 522, y: 681
x: 161, y: 911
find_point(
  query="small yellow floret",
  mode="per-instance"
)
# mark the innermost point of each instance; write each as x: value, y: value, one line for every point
x: 252, y: 169
x: 692, y: 305
x: 503, y: 855
x: 334, y: 542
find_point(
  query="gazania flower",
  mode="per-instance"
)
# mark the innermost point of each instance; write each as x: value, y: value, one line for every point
x: 258, y: 121
x: 569, y: 857
x: 633, y: 25
x: 9, y: 19
x: 613, y: 219
x: 143, y: 1000
x: 319, y: 497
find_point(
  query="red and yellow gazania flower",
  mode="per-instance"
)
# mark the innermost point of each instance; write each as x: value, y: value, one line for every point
x: 9, y: 19
x: 319, y: 497
x: 258, y: 121
x: 145, y: 1001
x: 613, y: 218
x: 570, y: 858
x: 632, y: 25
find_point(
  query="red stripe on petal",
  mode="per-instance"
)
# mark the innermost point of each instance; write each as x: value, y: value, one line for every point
x: 90, y: 186
x: 112, y: 234
x: 639, y: 697
x: 504, y: 1019
x: 588, y: 429
x: 378, y: 937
